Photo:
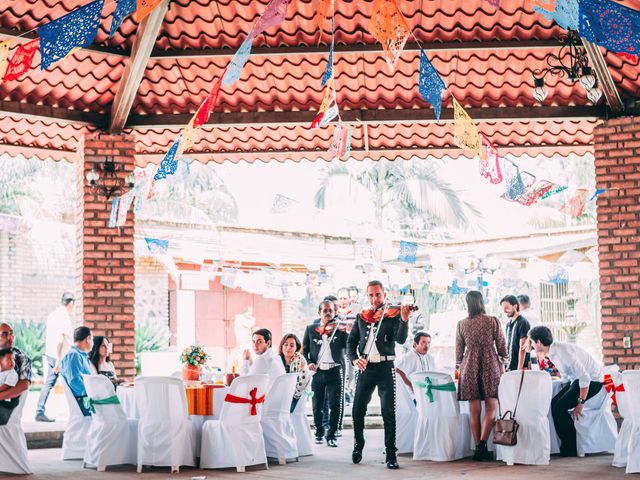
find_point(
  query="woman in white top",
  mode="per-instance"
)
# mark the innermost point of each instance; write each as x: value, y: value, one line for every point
x: 100, y: 360
x: 294, y: 362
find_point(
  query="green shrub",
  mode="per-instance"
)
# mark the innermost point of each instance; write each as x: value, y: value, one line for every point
x: 30, y: 338
x: 150, y: 337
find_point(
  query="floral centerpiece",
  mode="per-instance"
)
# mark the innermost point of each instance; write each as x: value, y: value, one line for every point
x: 193, y: 357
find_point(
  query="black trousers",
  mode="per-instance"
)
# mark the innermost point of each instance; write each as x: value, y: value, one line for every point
x: 326, y: 409
x: 327, y: 383
x: 566, y: 399
x: 381, y: 375
x: 6, y: 407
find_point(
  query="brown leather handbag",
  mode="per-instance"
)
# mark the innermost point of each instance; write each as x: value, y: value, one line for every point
x: 505, y: 431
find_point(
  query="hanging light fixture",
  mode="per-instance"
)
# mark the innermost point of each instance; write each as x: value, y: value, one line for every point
x: 576, y: 69
x: 104, y: 179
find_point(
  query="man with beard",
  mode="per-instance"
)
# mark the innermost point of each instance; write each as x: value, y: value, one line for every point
x: 517, y: 331
x: 323, y: 346
x: 371, y: 348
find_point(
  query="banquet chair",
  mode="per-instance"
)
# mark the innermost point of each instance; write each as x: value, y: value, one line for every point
x: 406, y: 416
x: 597, y: 430
x: 236, y: 439
x: 166, y: 435
x: 279, y: 435
x: 301, y: 428
x: 534, y: 441
x: 441, y: 432
x: 631, y: 382
x: 75, y: 435
x: 112, y: 438
x: 621, y: 453
x: 13, y: 444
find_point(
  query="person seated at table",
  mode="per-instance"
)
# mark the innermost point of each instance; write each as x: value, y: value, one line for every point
x: 417, y: 359
x: 585, y: 376
x: 266, y: 360
x: 294, y: 362
x: 8, y: 379
x: 101, y: 361
x: 76, y: 363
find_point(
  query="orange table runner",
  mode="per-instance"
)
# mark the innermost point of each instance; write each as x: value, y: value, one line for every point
x: 200, y: 399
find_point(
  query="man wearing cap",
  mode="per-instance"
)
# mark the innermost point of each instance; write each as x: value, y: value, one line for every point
x: 59, y: 337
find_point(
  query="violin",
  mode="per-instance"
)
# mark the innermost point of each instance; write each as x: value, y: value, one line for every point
x: 374, y: 315
x: 328, y: 328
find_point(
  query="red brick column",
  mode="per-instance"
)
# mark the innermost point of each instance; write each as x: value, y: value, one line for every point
x: 105, y: 255
x: 617, y: 162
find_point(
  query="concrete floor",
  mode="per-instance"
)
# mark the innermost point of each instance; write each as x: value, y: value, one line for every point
x: 329, y: 463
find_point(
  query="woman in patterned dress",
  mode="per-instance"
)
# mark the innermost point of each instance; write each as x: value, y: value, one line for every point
x: 294, y: 362
x: 480, y: 348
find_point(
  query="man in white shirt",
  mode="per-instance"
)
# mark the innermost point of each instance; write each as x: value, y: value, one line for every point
x: 417, y: 359
x: 585, y: 376
x: 266, y: 361
x: 59, y: 337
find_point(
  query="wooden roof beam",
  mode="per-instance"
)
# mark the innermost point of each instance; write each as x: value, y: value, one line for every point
x: 604, y: 76
x: 135, y: 66
x: 51, y: 114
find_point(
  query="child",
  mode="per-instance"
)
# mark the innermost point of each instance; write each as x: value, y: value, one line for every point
x: 8, y: 379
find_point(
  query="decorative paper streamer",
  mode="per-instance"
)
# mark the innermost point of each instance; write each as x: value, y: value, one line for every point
x: 322, y: 11
x: 328, y: 71
x: 347, y: 150
x: 76, y: 29
x: 169, y: 163
x: 282, y: 204
x: 558, y: 275
x: 339, y: 144
x: 234, y: 70
x: 535, y: 193
x: 494, y: 3
x: 204, y: 111
x: 610, y: 25
x: 597, y: 193
x: 20, y: 63
x: 548, y: 5
x: 228, y: 277
x: 123, y: 207
x: 455, y: 289
x: 466, y: 134
x: 330, y: 114
x: 4, y: 53
x: 408, y: 252
x: 564, y: 14
x: 626, y: 56
x: 145, y: 7
x: 122, y: 11
x: 389, y: 27
x: 274, y: 14
x: 554, y: 190
x: 113, y: 217
x: 489, y: 161
x: 515, y: 184
x: 187, y: 138
x: 430, y: 84
x: 157, y: 246
x: 329, y: 96
x: 575, y: 205
x: 316, y: 121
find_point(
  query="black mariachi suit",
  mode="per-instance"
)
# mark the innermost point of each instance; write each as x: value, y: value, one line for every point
x: 381, y: 375
x: 329, y: 383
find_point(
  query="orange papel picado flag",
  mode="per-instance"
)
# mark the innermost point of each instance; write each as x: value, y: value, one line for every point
x: 390, y: 28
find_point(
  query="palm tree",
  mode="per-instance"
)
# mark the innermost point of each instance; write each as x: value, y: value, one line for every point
x: 200, y: 197
x: 402, y: 193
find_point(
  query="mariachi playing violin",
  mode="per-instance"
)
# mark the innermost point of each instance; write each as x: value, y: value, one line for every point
x: 373, y: 315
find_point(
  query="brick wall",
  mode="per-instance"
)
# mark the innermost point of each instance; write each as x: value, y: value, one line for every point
x: 617, y: 162
x: 106, y: 255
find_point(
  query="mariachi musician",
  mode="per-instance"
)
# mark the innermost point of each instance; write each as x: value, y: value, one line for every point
x: 324, y: 346
x: 371, y: 348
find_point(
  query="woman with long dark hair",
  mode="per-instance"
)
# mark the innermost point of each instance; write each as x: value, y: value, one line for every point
x: 294, y: 361
x: 100, y: 360
x: 480, y: 345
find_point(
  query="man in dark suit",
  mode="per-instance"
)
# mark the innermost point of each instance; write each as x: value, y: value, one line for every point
x: 324, y: 346
x: 371, y: 348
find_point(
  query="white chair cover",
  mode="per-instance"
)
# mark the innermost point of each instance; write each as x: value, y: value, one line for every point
x: 301, y: 427
x: 534, y: 441
x: 236, y: 440
x: 406, y: 417
x: 441, y: 433
x: 621, y: 453
x: 75, y: 435
x: 597, y: 430
x: 279, y: 435
x: 166, y: 436
x: 631, y: 382
x: 112, y: 438
x: 13, y: 444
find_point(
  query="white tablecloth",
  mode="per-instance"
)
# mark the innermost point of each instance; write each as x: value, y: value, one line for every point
x: 127, y: 398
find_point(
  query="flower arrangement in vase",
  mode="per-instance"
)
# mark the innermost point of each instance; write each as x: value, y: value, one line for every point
x: 193, y: 358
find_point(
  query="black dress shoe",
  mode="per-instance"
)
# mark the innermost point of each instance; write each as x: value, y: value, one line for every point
x: 392, y: 463
x: 331, y: 442
x: 356, y: 455
x: 318, y: 440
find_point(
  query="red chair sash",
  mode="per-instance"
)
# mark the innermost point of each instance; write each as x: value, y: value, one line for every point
x: 251, y: 400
